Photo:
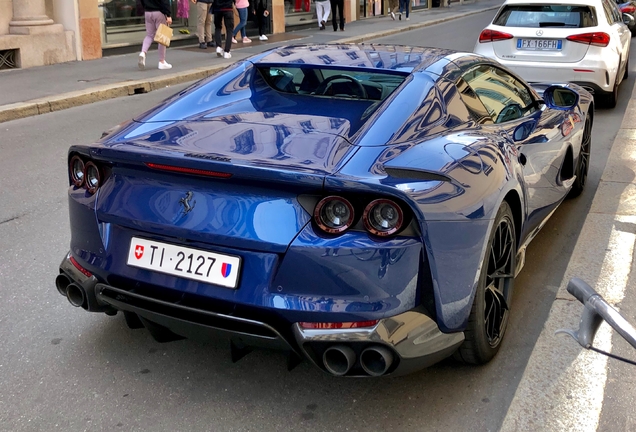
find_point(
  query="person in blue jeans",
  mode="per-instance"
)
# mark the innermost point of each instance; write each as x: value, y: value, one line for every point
x: 241, y: 7
x: 404, y: 4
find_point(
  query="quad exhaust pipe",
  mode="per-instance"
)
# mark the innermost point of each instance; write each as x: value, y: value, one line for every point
x: 72, y: 291
x: 76, y: 295
x: 338, y: 359
x: 376, y: 361
x: 61, y: 282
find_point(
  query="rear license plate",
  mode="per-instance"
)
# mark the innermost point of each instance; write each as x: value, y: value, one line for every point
x: 189, y: 263
x: 539, y: 44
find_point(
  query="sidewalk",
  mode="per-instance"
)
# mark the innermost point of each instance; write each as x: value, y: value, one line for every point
x: 564, y: 387
x: 28, y: 92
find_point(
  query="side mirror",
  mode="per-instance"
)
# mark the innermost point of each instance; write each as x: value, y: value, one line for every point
x: 563, y: 98
x: 628, y: 19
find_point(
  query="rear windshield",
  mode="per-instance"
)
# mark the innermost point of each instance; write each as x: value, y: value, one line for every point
x: 571, y: 16
x: 332, y: 82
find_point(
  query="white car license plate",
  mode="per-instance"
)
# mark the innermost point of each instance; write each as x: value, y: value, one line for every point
x: 540, y: 44
x: 189, y: 263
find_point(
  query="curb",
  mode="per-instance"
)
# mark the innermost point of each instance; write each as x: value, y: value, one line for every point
x: 95, y: 94
x: 63, y: 101
x: 563, y: 385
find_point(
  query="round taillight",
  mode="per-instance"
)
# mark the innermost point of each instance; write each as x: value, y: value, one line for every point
x: 92, y: 177
x: 76, y: 167
x: 383, y: 217
x: 333, y: 214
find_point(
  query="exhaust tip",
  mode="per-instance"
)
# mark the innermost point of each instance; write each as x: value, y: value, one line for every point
x: 76, y: 295
x: 376, y: 360
x: 61, y: 282
x: 338, y: 359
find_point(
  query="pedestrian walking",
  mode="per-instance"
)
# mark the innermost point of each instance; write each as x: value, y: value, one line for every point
x: 204, y: 23
x: 323, y: 9
x: 261, y: 13
x: 157, y: 13
x: 404, y: 5
x: 393, y: 6
x: 337, y: 8
x: 223, y: 14
x: 242, y: 8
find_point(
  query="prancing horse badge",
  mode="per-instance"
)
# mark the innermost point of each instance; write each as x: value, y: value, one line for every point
x: 185, y: 201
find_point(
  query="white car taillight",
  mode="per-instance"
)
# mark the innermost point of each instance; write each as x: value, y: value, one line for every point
x: 493, y: 35
x: 597, y: 39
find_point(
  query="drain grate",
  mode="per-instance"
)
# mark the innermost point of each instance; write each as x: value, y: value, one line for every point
x: 8, y: 59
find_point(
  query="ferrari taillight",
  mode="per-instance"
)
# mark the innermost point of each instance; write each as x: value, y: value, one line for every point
x: 596, y: 38
x: 86, y: 173
x: 334, y: 214
x: 383, y: 217
x: 92, y: 177
x: 380, y: 217
x: 76, y: 170
x: 493, y: 36
x: 630, y: 9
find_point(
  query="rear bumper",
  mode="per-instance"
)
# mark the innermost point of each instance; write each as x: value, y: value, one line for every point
x: 593, y: 71
x: 587, y: 76
x: 413, y: 338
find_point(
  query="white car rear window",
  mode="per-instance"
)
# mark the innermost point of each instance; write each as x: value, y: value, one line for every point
x: 542, y: 15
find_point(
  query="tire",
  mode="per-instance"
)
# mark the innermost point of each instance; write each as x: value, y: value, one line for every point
x: 610, y: 98
x: 583, y: 165
x: 626, y: 74
x: 491, y: 306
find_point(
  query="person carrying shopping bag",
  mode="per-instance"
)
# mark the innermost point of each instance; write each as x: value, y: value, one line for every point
x: 204, y: 23
x: 157, y: 13
x: 242, y: 8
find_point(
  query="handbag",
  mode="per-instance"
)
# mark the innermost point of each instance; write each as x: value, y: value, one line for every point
x: 163, y: 35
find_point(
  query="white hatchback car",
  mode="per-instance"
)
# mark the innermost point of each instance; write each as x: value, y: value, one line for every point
x: 580, y: 41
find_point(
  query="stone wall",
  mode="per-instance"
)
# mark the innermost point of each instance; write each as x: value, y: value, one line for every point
x: 26, y: 26
x: 6, y: 12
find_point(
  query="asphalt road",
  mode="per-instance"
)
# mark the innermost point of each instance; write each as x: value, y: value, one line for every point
x: 64, y: 369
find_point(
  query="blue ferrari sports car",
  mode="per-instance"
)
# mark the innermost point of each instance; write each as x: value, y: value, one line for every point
x: 365, y: 207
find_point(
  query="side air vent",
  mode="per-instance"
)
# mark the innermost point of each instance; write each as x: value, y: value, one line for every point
x: 416, y: 174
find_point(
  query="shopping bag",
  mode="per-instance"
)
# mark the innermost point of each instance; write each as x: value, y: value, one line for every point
x: 163, y: 35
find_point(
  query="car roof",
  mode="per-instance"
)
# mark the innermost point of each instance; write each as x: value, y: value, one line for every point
x: 367, y: 56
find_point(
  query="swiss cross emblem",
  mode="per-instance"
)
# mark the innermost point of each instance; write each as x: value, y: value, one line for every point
x: 139, y: 251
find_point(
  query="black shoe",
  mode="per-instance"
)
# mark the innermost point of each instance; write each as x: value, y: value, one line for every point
x: 336, y: 29
x: 211, y: 44
x: 342, y: 29
x: 322, y: 25
x: 202, y: 45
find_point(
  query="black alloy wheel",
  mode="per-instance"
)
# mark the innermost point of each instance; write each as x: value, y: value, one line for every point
x: 491, y: 307
x: 583, y: 166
